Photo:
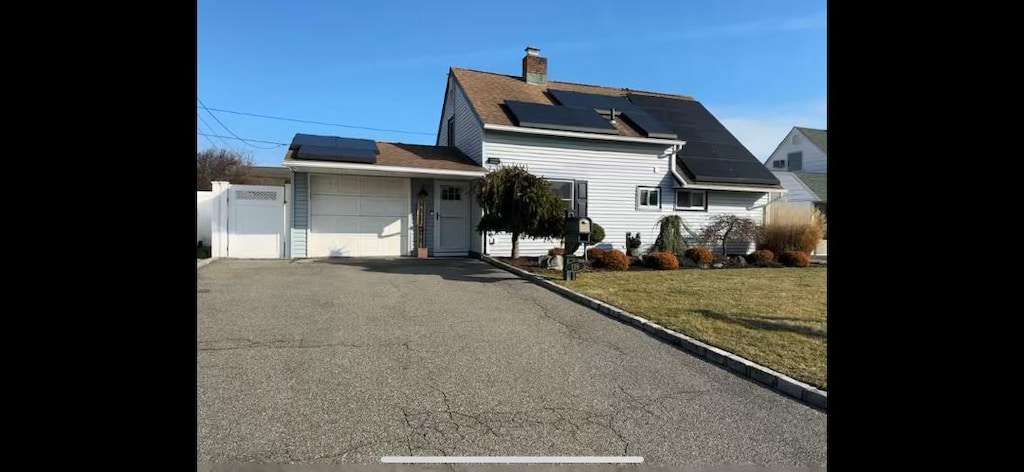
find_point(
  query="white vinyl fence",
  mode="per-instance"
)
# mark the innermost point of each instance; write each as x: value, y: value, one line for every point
x: 244, y: 221
x: 204, y: 213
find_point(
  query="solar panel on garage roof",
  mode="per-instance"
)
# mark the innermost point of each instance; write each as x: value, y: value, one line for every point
x: 334, y: 148
x: 535, y: 115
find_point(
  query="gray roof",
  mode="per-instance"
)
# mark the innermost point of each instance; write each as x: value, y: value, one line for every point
x: 818, y: 183
x: 817, y: 136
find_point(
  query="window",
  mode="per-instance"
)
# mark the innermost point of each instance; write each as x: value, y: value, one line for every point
x: 795, y: 160
x: 796, y: 138
x: 691, y: 200
x: 648, y: 198
x: 563, y: 188
x: 450, y: 193
x: 779, y: 164
x: 451, y: 132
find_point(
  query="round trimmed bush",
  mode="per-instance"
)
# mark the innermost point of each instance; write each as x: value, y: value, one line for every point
x: 596, y: 233
x: 794, y: 259
x: 760, y: 256
x: 699, y: 255
x: 596, y: 257
x: 615, y: 260
x: 662, y: 261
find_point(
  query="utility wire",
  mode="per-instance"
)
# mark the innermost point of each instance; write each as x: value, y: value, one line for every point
x: 199, y: 132
x: 225, y: 127
x: 212, y: 130
x: 316, y: 122
x: 243, y: 139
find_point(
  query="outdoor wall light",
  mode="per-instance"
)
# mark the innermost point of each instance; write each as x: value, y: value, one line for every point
x: 423, y: 192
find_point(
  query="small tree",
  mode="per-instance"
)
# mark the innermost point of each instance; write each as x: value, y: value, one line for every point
x: 518, y: 202
x: 729, y: 228
x: 221, y: 164
x: 670, y: 235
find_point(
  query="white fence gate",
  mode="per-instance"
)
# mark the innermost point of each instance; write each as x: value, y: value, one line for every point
x: 249, y: 221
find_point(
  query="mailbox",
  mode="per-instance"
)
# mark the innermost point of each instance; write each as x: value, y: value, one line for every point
x: 577, y: 232
x: 577, y: 225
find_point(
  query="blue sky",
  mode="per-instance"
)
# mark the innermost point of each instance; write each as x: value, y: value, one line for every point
x: 759, y: 66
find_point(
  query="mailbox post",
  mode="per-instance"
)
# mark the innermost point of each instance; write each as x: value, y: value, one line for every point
x: 577, y: 231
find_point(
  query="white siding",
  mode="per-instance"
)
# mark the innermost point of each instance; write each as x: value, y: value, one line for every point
x: 815, y: 161
x: 613, y: 172
x: 468, y: 130
x: 300, y: 214
x: 797, y: 191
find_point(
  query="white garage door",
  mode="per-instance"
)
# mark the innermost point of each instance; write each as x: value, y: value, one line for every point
x: 354, y: 216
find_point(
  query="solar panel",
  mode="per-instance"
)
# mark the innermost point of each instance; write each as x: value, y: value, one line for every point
x: 711, y: 153
x: 727, y: 170
x: 601, y: 103
x: 333, y: 148
x: 650, y: 126
x: 535, y: 115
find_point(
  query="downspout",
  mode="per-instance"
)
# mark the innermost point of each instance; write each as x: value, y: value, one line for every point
x: 672, y: 164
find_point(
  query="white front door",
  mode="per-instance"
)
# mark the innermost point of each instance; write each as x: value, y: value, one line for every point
x: 255, y: 221
x: 451, y: 218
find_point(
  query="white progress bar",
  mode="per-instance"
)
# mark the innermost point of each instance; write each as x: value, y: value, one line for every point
x: 512, y: 460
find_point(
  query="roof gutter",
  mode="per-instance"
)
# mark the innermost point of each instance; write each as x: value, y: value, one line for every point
x: 684, y: 183
x: 576, y: 134
x: 313, y: 165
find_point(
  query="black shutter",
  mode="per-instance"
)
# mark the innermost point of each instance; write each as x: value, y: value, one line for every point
x: 581, y: 198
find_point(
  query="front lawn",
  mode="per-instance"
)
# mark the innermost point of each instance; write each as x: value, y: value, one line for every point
x: 775, y: 317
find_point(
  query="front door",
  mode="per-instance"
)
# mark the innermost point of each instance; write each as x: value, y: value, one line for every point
x: 451, y: 218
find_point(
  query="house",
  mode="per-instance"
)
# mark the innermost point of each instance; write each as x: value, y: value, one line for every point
x: 623, y: 157
x: 800, y: 162
x: 802, y: 150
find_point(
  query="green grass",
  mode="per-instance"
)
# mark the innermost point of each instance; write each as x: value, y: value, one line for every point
x: 775, y: 317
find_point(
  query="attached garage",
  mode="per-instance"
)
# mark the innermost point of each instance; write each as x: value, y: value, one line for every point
x: 358, y: 216
x: 361, y: 198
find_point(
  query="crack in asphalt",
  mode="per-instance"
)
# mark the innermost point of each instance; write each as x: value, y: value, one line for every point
x: 446, y: 424
x: 573, y: 333
x: 274, y: 344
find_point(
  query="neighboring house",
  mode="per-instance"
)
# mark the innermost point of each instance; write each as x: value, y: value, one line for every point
x: 800, y: 162
x: 802, y: 150
x: 625, y: 158
x: 264, y: 175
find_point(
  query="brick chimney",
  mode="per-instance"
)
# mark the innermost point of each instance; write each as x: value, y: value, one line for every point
x: 535, y: 68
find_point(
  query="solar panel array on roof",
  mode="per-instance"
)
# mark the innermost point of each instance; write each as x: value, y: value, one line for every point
x: 535, y: 115
x: 335, y: 149
x: 601, y: 103
x: 711, y: 153
x: 604, y: 104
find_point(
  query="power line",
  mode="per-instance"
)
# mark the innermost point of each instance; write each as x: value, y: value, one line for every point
x: 225, y: 127
x: 242, y: 139
x: 212, y: 129
x: 199, y: 132
x: 316, y: 122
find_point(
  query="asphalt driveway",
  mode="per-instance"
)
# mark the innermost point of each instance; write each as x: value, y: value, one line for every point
x: 322, y: 361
